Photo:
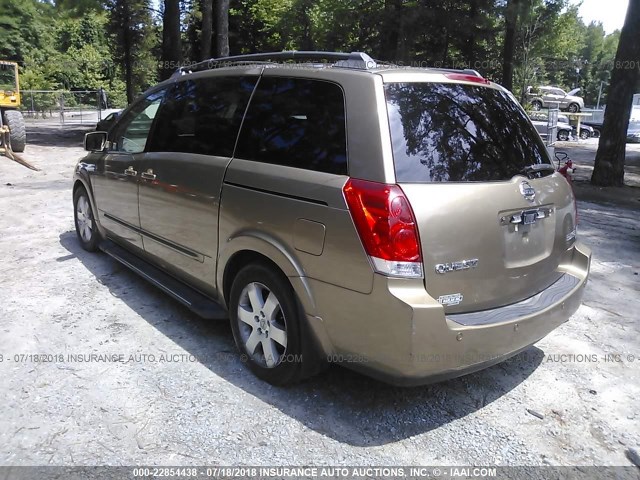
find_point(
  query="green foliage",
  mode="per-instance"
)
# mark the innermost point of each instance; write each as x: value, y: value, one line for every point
x: 24, y: 28
x: 134, y: 37
x: 88, y: 44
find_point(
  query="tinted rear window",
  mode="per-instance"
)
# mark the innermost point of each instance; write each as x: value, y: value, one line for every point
x: 459, y: 133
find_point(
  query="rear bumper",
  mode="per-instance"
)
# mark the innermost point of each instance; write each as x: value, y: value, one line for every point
x: 400, y: 335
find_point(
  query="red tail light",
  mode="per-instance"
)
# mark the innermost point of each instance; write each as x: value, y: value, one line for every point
x: 386, y: 226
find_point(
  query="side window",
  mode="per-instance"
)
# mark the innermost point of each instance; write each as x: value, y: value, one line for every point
x: 132, y: 132
x: 297, y: 123
x: 202, y: 116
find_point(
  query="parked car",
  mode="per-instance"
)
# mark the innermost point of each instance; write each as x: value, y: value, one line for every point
x: 565, y: 130
x: 105, y: 124
x: 540, y: 121
x: 546, y: 97
x: 586, y: 131
x: 406, y: 223
x: 633, y: 132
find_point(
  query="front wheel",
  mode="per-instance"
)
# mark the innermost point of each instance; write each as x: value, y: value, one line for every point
x: 537, y: 105
x: 574, y: 108
x: 266, y: 322
x: 86, y: 227
x: 584, y: 134
x: 17, y: 131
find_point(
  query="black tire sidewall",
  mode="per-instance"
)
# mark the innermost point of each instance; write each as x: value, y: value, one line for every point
x: 290, y: 370
x: 91, y: 245
x: 537, y: 105
x: 17, y: 132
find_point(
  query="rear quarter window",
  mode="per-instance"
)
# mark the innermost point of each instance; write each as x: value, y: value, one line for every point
x: 448, y: 132
x: 296, y: 123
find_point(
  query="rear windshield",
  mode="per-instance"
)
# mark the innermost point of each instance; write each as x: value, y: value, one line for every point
x: 459, y: 133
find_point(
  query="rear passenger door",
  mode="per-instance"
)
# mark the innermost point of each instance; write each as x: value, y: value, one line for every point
x: 182, y: 172
x: 285, y: 182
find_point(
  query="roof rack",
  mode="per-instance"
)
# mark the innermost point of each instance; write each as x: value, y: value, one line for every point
x: 357, y: 60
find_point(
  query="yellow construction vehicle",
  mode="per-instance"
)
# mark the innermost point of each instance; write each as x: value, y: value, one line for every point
x: 16, y: 137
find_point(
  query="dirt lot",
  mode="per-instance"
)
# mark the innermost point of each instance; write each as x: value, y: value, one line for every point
x: 203, y: 407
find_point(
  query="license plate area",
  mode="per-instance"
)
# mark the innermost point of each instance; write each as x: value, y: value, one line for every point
x: 528, y: 235
x: 526, y: 217
x: 529, y: 217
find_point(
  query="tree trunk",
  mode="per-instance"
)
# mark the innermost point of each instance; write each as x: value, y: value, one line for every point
x: 207, y: 29
x: 171, y: 46
x: 128, y: 53
x: 468, y: 48
x: 390, y: 30
x: 609, y: 166
x: 445, y: 48
x: 508, y: 52
x: 306, y: 42
x: 222, y: 28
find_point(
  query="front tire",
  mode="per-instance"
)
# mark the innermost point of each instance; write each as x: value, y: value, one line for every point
x: 266, y: 323
x: 85, y: 221
x: 584, y: 134
x: 17, y: 132
x: 574, y: 108
x: 537, y: 105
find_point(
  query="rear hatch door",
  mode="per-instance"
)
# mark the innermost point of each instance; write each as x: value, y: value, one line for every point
x: 493, y: 221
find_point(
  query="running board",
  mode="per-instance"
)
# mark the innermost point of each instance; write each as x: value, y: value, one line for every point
x: 192, y: 299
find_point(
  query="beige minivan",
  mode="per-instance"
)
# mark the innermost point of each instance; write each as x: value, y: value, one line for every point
x: 403, y: 222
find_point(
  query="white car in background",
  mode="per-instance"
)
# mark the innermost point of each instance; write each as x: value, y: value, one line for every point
x: 551, y: 97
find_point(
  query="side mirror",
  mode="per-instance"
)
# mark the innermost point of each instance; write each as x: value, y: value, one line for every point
x: 95, y: 141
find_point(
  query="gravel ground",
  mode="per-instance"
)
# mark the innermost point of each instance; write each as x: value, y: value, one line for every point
x: 185, y: 398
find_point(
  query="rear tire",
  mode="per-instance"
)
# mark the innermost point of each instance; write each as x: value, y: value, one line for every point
x: 85, y: 221
x: 17, y: 132
x: 584, y: 134
x: 266, y: 320
x: 563, y: 135
x: 537, y: 105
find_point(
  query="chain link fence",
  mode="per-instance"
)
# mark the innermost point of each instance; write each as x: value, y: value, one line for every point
x: 63, y: 107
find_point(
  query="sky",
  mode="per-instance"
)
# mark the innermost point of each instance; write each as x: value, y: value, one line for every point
x: 610, y: 13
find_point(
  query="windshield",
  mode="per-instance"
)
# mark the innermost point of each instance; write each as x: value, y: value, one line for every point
x: 7, y: 77
x: 447, y: 132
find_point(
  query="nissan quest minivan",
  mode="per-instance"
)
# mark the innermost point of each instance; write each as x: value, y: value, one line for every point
x: 404, y: 222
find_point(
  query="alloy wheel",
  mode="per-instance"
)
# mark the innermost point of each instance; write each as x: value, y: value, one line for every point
x: 262, y: 325
x: 84, y: 218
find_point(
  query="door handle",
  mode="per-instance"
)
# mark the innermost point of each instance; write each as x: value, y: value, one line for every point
x: 130, y: 171
x: 148, y: 175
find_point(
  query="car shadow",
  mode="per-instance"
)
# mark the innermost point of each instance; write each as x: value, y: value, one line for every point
x: 338, y: 403
x: 52, y: 135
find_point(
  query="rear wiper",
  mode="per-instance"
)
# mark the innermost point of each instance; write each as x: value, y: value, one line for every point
x: 539, y: 168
